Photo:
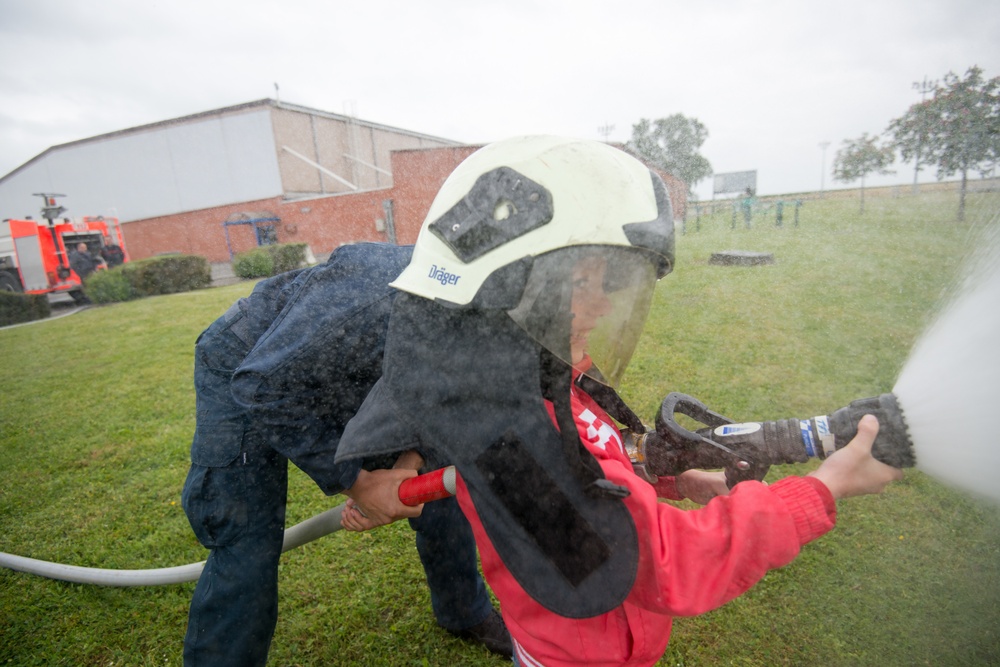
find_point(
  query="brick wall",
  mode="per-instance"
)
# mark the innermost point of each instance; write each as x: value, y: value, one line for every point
x: 323, y: 223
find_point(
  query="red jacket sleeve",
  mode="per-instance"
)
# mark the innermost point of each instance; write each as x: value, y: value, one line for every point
x: 693, y: 561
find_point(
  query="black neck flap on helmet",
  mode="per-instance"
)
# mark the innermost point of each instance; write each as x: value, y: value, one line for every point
x: 466, y: 387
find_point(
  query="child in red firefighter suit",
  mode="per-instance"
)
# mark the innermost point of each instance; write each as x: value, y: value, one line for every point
x: 527, y: 291
x: 690, y: 562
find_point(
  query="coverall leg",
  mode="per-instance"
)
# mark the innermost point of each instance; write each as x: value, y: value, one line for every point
x: 235, y: 496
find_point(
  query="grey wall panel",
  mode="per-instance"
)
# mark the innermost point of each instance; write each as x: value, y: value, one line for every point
x: 253, y: 162
x: 136, y: 179
x: 149, y: 173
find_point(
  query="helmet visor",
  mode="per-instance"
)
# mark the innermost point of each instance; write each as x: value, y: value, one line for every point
x: 587, y: 305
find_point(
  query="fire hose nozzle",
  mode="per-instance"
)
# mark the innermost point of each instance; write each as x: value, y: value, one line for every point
x: 893, y: 445
x: 747, y: 450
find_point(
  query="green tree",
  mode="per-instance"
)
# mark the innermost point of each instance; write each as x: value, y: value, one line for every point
x: 858, y: 158
x: 672, y: 144
x: 958, y: 129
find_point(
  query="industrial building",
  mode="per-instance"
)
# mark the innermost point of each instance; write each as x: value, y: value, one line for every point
x: 221, y: 182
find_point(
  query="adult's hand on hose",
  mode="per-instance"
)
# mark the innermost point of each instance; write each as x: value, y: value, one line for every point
x: 374, y: 500
x: 853, y: 471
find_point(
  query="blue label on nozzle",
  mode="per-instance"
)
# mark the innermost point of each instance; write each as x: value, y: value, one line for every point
x: 807, y: 437
x: 737, y: 429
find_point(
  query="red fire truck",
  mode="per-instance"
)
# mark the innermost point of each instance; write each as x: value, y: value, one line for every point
x: 34, y: 255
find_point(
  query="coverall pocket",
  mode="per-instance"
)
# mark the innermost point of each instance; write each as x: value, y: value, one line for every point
x: 216, y: 444
x: 215, y: 494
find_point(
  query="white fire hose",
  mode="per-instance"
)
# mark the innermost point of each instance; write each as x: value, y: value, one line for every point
x: 413, y: 491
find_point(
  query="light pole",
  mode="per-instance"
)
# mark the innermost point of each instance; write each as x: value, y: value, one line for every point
x: 822, y: 168
x: 606, y: 130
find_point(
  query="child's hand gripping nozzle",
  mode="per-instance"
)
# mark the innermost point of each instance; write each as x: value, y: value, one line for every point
x: 747, y: 450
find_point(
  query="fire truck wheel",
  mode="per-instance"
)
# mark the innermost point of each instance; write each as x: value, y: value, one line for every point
x: 9, y: 283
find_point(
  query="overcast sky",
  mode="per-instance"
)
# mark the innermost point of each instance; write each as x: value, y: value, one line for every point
x: 770, y: 80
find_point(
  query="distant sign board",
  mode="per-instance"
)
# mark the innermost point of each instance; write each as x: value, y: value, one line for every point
x: 736, y: 181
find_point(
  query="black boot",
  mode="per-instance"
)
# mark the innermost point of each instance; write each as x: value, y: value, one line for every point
x: 491, y: 633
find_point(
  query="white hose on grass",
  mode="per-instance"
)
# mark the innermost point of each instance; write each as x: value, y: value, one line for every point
x: 299, y: 534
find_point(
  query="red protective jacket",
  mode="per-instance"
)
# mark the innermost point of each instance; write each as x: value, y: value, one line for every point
x: 690, y: 561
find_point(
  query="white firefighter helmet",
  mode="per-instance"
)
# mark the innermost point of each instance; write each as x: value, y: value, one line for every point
x: 513, y: 220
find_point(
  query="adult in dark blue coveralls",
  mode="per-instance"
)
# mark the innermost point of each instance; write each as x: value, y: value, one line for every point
x: 277, y: 379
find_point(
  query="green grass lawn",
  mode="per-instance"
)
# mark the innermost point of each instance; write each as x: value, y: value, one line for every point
x: 98, y: 410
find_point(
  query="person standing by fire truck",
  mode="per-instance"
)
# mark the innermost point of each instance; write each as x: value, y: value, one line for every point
x: 82, y: 262
x: 112, y: 253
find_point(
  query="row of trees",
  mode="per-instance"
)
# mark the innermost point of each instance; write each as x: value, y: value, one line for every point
x: 957, y: 129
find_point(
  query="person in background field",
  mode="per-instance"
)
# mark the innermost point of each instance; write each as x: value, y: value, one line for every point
x: 82, y: 262
x: 277, y: 377
x: 527, y: 291
x: 112, y: 253
x: 747, y: 205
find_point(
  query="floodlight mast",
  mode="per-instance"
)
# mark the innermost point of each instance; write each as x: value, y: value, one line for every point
x: 50, y: 209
